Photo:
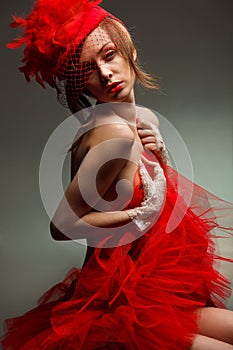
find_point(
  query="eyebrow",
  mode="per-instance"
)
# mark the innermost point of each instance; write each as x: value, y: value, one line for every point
x: 102, y: 48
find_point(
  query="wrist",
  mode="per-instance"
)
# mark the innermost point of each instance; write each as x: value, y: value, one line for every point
x: 132, y: 213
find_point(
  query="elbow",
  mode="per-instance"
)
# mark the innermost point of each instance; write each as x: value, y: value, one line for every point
x: 56, y: 234
x: 65, y: 230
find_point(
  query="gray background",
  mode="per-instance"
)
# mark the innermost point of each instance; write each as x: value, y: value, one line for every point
x: 189, y: 45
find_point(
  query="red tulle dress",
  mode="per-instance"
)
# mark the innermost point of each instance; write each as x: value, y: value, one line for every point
x: 140, y: 296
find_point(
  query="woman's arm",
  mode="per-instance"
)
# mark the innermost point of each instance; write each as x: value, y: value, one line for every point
x: 89, y: 224
x: 82, y: 209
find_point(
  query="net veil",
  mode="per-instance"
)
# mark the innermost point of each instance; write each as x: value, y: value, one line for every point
x: 52, y: 36
x: 55, y: 35
x: 95, y: 52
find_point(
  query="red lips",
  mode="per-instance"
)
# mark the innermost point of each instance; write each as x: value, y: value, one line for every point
x: 113, y: 87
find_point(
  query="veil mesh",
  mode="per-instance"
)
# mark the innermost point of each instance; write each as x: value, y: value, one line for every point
x: 52, y: 32
x: 73, y: 72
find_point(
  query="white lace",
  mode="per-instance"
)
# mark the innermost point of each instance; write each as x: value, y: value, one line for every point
x: 154, y: 194
x: 160, y: 149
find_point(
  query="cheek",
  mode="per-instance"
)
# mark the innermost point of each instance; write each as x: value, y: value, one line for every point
x: 127, y: 71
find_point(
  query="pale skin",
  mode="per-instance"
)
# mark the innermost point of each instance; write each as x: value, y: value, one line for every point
x: 215, y: 325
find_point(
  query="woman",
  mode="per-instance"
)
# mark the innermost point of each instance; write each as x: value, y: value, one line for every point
x: 140, y: 287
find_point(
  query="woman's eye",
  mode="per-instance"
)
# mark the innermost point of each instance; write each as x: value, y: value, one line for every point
x: 110, y: 54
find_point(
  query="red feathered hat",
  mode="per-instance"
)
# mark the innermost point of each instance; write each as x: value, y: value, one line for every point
x: 50, y: 30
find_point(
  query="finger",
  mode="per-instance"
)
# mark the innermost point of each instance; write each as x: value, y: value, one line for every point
x: 151, y: 147
x: 148, y: 139
x: 138, y: 122
x: 145, y: 132
x: 154, y: 147
x: 144, y: 124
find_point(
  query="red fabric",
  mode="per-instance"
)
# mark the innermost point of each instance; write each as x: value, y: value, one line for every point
x: 139, y: 296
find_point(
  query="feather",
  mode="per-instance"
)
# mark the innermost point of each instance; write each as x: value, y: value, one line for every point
x: 48, y: 32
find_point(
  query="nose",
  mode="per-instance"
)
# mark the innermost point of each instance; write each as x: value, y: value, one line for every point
x: 105, y: 71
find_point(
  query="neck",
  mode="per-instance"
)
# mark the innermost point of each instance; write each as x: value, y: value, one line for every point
x: 122, y: 110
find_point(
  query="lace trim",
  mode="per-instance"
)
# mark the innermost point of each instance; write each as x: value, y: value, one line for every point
x: 154, y: 194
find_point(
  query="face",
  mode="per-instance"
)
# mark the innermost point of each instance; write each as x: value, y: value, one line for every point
x: 110, y: 78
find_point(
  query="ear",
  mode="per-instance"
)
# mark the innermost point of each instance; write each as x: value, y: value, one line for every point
x: 135, y: 55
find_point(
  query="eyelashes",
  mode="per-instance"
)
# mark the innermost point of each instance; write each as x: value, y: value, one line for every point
x: 80, y: 72
x: 110, y: 54
x: 89, y: 67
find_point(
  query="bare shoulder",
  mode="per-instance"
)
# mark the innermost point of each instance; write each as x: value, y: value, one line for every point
x: 110, y: 131
x: 147, y: 115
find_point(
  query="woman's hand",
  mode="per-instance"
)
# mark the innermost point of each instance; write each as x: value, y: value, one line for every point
x: 154, y: 193
x: 152, y: 139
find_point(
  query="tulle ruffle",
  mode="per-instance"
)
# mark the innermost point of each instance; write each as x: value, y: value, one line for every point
x: 143, y: 295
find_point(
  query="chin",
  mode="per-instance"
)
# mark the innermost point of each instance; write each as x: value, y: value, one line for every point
x: 124, y: 96
x: 121, y: 96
